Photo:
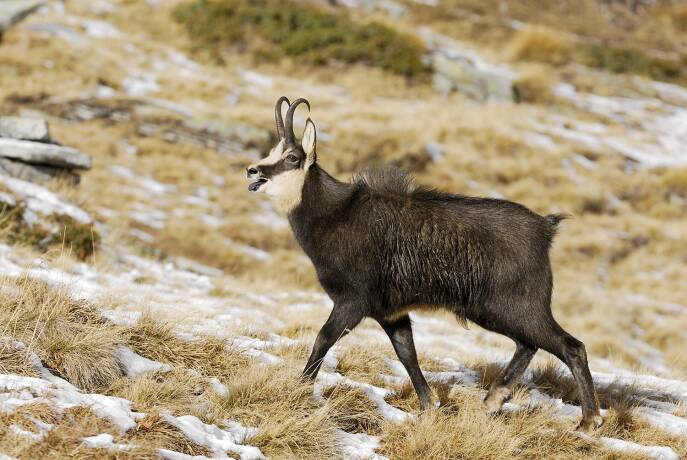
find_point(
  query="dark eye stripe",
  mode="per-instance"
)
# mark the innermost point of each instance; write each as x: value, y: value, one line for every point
x: 278, y: 168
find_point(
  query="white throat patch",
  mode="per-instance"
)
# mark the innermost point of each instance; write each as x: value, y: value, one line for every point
x: 286, y: 189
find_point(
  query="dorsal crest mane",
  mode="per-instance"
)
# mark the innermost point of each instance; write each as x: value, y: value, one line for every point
x: 392, y: 181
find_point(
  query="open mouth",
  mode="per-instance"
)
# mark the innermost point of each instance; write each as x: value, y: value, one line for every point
x: 256, y: 185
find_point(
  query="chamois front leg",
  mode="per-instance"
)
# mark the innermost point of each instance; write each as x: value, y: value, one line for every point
x: 342, y: 319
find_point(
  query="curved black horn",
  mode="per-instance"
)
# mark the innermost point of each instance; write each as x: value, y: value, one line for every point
x: 277, y: 116
x: 290, y: 136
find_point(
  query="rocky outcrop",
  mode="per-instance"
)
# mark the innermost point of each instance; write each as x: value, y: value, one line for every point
x: 13, y: 11
x: 457, y: 68
x: 30, y: 129
x: 28, y: 152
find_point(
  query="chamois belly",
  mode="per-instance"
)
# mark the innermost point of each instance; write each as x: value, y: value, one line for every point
x: 420, y: 307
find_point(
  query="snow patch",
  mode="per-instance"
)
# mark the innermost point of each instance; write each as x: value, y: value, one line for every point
x: 218, y: 440
x: 360, y: 446
x: 16, y: 390
x: 135, y: 364
x: 104, y: 441
x: 376, y: 395
x: 43, y: 201
x: 628, y: 447
x: 140, y: 85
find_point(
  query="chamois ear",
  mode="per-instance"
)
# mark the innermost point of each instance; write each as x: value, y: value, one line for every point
x: 308, y: 143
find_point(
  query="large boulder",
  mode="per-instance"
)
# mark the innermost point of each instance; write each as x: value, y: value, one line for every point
x: 36, y: 173
x: 457, y: 68
x: 30, y: 129
x: 27, y: 152
x: 44, y: 154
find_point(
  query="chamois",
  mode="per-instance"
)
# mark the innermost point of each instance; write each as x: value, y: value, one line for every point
x: 383, y: 246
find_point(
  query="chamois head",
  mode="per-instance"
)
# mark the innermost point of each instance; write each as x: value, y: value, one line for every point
x: 282, y: 172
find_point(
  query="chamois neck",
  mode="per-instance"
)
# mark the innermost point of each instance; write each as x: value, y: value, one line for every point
x: 322, y: 195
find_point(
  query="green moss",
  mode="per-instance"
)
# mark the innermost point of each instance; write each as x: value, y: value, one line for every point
x: 633, y: 61
x: 81, y: 239
x: 15, y: 230
x: 303, y: 31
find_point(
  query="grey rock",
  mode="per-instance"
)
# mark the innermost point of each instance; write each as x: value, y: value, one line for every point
x: 13, y: 11
x: 24, y: 129
x: 458, y: 68
x: 458, y: 72
x: 44, y: 154
x: 35, y: 173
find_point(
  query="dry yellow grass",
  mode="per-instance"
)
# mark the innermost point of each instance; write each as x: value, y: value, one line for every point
x: 403, y: 395
x: 461, y: 429
x: 179, y: 391
x: 675, y: 180
x: 154, y: 431
x: 356, y: 413
x: 68, y: 335
x: 540, y: 43
x: 156, y: 340
x: 362, y: 363
x: 534, y: 86
x: 64, y: 440
x: 290, y: 422
x: 15, y: 359
x: 593, y: 21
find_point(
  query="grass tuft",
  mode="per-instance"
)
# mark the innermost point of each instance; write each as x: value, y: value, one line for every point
x: 461, y: 429
x: 633, y: 61
x: 540, y: 43
x: 179, y: 392
x: 359, y: 414
x: 675, y: 180
x: 15, y: 359
x: 304, y: 31
x: 210, y: 356
x: 80, y: 239
x: 290, y: 422
x: 68, y: 335
x: 678, y: 17
x: 534, y: 86
x: 361, y: 363
x: 153, y: 430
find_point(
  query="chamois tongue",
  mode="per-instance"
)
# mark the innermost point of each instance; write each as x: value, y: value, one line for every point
x: 256, y: 185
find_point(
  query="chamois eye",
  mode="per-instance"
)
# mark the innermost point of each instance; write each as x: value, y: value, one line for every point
x: 292, y: 158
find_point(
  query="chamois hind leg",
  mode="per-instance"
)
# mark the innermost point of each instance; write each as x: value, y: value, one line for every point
x: 501, y: 388
x: 400, y: 333
x: 572, y: 352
